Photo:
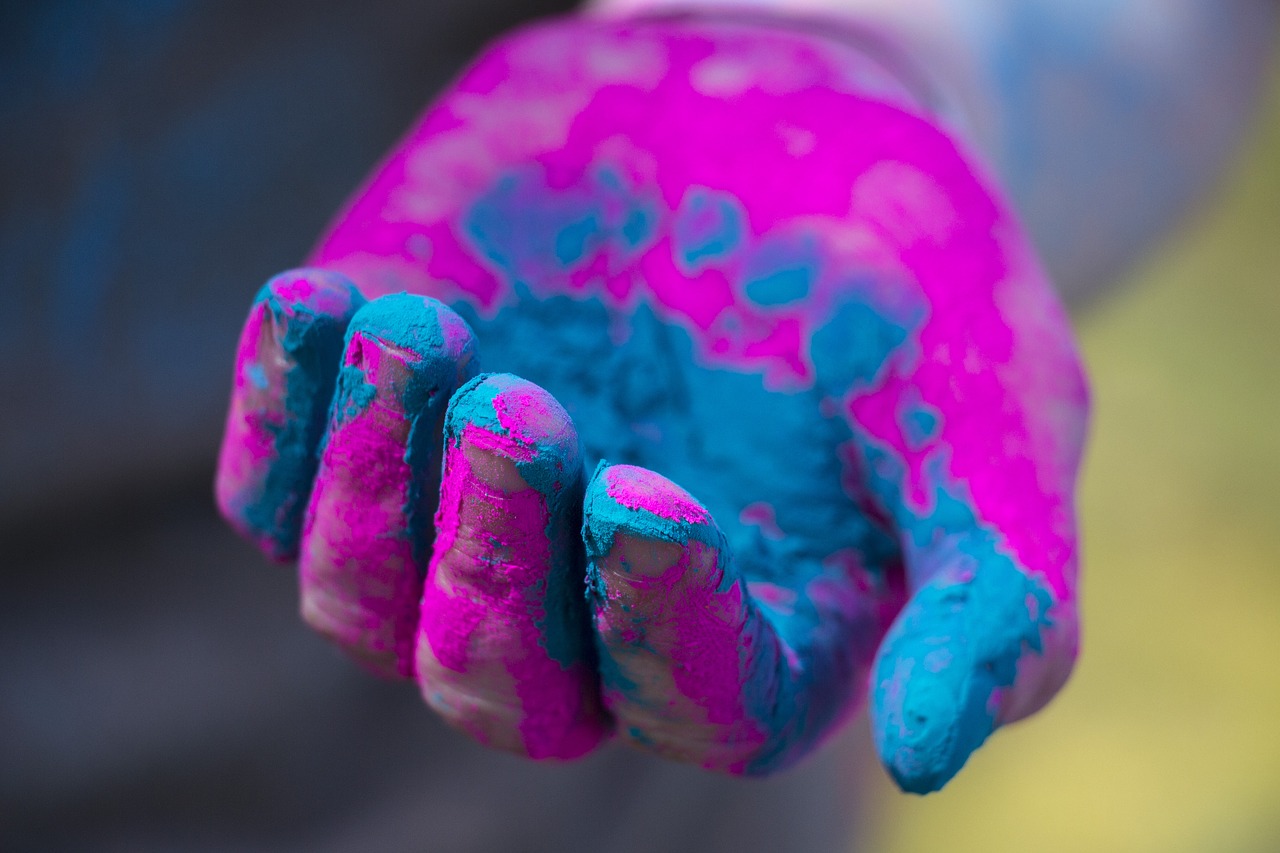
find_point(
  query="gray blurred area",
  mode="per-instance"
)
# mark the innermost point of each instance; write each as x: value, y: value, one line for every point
x: 159, y: 159
x: 158, y: 693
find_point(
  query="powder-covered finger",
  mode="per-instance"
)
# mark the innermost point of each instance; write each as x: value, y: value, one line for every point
x: 368, y: 530
x: 694, y: 665
x: 990, y: 631
x: 969, y: 444
x: 286, y: 363
x: 944, y: 677
x: 504, y: 648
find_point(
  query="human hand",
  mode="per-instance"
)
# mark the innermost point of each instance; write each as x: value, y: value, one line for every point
x: 731, y: 257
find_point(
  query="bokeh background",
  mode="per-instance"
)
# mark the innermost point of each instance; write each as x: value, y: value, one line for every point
x: 160, y: 158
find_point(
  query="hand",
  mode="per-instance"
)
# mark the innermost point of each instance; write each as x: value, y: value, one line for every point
x: 734, y: 259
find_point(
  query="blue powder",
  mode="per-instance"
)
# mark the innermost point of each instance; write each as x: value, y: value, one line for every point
x: 708, y: 227
x: 637, y: 228
x: 779, y: 288
x: 354, y: 394
x: 576, y: 240
x: 565, y: 629
x: 920, y: 424
x: 605, y: 518
x: 534, y: 234
x: 976, y: 611
x: 850, y: 351
x: 474, y: 404
x: 643, y: 396
x: 648, y: 402
x: 257, y: 376
x: 781, y: 270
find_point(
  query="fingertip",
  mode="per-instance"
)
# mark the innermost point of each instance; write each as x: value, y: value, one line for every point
x: 927, y: 724
x: 419, y: 324
x: 434, y: 349
x: 688, y: 667
x: 953, y: 660
x: 523, y: 429
x: 310, y: 295
x: 642, y: 504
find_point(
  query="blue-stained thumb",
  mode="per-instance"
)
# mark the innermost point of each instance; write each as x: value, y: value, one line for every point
x: 940, y: 669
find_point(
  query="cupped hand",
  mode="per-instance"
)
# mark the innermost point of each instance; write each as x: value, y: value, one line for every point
x: 783, y: 410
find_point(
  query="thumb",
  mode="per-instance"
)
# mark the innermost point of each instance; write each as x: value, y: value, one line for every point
x: 979, y: 644
x: 969, y: 442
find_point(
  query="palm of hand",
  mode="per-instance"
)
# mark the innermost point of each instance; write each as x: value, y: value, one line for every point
x: 757, y: 322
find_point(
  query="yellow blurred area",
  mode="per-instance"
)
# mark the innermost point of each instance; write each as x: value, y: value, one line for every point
x: 1168, y: 737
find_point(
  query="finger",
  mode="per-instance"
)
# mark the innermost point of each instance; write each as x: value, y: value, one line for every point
x: 950, y: 668
x: 694, y: 665
x: 974, y: 458
x: 990, y: 631
x: 504, y: 648
x: 286, y: 364
x: 368, y: 527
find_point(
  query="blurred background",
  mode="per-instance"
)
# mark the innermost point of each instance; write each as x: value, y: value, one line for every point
x: 159, y: 159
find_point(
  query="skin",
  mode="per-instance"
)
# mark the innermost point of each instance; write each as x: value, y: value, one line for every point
x: 789, y: 416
